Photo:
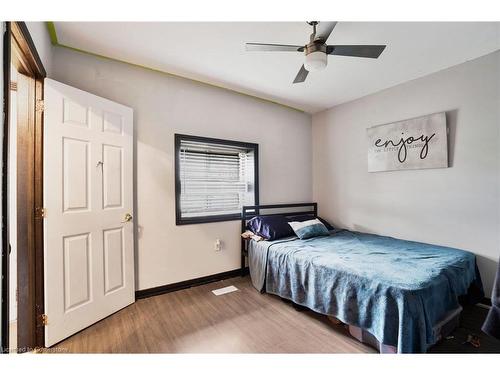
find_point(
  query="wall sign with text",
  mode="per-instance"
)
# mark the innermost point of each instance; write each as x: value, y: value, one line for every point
x: 410, y: 144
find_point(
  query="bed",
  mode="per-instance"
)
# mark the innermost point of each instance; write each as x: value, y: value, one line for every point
x: 386, y: 289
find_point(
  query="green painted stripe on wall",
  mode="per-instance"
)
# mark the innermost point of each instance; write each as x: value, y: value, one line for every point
x: 52, y: 32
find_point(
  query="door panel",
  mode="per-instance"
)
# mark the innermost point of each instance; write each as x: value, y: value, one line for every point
x: 77, y: 275
x: 113, y: 260
x: 113, y: 123
x: 74, y: 113
x: 89, y: 257
x: 76, y: 179
x: 112, y: 176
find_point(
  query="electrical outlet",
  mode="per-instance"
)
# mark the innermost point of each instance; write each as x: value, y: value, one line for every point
x: 218, y: 245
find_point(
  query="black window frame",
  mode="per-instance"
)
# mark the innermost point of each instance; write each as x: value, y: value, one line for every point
x: 210, y: 218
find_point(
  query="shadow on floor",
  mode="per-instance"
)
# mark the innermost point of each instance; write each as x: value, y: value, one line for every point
x: 471, y: 320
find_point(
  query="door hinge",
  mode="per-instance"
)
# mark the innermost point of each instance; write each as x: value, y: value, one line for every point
x: 40, y: 213
x: 45, y: 319
x: 40, y: 106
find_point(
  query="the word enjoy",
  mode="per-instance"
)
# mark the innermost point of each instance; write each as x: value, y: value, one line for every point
x: 403, y: 144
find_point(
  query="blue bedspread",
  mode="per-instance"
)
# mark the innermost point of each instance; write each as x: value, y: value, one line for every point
x: 397, y: 290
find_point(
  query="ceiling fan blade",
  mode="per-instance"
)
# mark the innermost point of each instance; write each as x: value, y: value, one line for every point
x: 370, y: 51
x: 301, y: 75
x: 273, y: 47
x: 324, y: 29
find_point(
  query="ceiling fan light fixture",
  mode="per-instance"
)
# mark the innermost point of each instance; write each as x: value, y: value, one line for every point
x: 316, y: 61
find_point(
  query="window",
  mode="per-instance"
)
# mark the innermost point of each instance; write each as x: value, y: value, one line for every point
x: 214, y: 178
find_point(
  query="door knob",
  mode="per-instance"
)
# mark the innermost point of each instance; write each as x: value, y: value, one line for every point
x: 128, y: 218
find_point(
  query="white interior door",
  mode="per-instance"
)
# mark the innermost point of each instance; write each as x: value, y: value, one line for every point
x: 88, y: 189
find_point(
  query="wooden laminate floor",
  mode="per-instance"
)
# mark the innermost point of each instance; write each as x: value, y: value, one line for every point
x: 196, y: 321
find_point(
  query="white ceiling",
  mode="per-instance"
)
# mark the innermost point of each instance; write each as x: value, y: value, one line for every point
x: 213, y: 52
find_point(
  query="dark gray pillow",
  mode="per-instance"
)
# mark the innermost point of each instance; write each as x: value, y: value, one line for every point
x: 270, y: 227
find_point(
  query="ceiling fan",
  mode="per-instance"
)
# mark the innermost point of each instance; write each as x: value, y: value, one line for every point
x: 317, y: 51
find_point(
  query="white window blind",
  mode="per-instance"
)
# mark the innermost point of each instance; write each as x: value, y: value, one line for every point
x: 215, y: 179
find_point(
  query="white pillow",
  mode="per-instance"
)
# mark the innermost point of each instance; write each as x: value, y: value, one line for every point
x: 309, y: 228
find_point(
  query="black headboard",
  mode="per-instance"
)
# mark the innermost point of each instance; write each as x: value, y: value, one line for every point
x: 291, y: 209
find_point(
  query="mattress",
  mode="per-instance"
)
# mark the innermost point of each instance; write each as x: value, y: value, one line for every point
x: 395, y: 290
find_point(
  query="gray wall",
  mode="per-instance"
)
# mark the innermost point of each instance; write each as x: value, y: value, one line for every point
x: 458, y: 206
x: 41, y: 39
x: 164, y: 105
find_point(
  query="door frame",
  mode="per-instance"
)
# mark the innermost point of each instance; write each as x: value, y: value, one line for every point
x: 4, y: 345
x: 23, y: 53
